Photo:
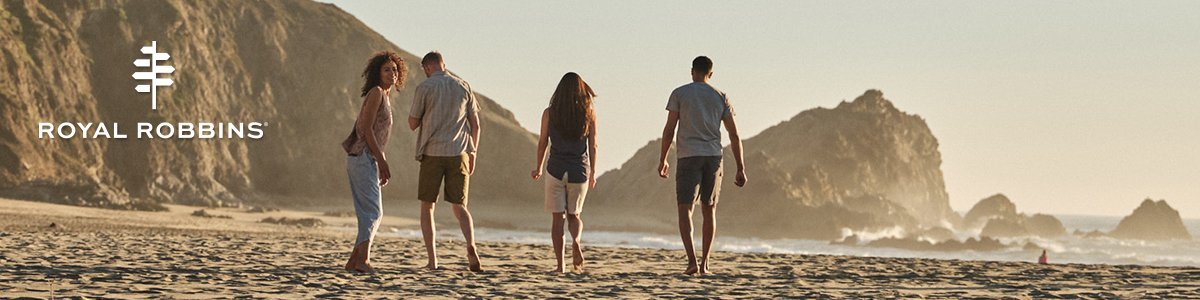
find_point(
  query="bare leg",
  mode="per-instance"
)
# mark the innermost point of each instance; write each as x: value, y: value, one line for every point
x: 709, y: 232
x: 468, y: 229
x: 576, y: 226
x: 685, y: 232
x: 427, y: 231
x: 556, y: 239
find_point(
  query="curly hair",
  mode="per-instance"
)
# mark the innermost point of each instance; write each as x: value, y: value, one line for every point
x: 571, y: 110
x: 371, y: 72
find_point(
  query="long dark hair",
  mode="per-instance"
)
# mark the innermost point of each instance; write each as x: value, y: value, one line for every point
x: 571, y: 110
x: 371, y: 73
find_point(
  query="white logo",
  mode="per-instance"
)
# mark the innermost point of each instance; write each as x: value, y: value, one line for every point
x: 148, y: 130
x: 155, y: 69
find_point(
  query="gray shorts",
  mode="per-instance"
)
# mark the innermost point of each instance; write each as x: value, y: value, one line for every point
x: 698, y: 178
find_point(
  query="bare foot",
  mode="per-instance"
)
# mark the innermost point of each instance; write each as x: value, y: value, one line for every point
x: 350, y: 265
x: 365, y: 267
x: 704, y: 267
x: 433, y: 266
x: 473, y: 260
x: 692, y: 269
x: 577, y: 265
x: 557, y: 271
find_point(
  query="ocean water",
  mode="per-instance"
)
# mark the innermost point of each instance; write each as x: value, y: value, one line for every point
x: 1069, y: 249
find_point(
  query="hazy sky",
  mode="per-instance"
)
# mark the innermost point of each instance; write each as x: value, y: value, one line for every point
x: 1066, y: 107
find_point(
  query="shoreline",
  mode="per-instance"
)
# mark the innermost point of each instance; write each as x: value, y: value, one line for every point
x: 95, y: 252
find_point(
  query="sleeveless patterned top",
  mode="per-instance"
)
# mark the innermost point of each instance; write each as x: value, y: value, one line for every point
x: 382, y: 127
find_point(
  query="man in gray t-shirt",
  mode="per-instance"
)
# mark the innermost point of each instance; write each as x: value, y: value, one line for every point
x: 701, y: 108
x: 698, y: 110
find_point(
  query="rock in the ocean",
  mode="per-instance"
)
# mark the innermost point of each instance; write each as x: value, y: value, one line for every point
x: 1045, y: 226
x: 1152, y: 220
x: 1005, y: 227
x: 999, y: 217
x: 995, y: 207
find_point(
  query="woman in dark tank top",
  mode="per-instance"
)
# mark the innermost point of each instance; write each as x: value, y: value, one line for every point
x: 569, y: 129
x: 568, y: 156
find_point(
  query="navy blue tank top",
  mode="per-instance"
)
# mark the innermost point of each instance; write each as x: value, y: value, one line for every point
x: 568, y: 156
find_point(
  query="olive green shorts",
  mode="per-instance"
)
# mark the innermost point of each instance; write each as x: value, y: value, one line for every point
x: 451, y: 169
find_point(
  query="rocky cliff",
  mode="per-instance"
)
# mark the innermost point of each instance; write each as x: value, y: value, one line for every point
x: 293, y: 65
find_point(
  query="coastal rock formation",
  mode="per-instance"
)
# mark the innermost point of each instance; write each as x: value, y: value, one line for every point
x: 996, y: 206
x: 1045, y: 226
x: 997, y: 216
x: 293, y: 65
x: 867, y: 147
x: 1004, y: 228
x: 863, y: 165
x: 1152, y: 220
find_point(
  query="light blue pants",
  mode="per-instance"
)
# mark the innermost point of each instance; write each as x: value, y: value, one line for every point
x: 368, y: 201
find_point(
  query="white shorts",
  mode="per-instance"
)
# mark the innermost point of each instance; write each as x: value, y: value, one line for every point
x: 563, y: 196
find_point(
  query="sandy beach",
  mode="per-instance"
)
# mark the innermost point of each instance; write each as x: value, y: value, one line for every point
x: 105, y: 253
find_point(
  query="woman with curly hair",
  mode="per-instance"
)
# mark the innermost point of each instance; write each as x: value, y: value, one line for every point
x: 366, y: 163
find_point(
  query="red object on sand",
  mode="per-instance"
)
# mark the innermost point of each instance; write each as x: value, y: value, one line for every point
x: 1043, y: 259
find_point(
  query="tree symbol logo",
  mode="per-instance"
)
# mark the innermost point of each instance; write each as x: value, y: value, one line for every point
x: 152, y: 75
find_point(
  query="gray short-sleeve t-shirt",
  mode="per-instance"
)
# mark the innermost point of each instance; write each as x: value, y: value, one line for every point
x: 701, y: 108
